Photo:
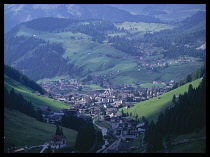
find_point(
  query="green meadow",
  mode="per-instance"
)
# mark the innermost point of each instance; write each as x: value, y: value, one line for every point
x: 22, y: 130
x: 134, y: 27
x: 37, y: 101
x: 153, y: 107
x: 103, y: 59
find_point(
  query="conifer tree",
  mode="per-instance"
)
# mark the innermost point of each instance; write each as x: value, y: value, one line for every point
x: 57, y: 130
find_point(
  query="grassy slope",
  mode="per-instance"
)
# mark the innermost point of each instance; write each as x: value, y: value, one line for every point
x: 106, y: 65
x: 28, y: 95
x: 198, y: 146
x: 153, y: 107
x: 22, y: 130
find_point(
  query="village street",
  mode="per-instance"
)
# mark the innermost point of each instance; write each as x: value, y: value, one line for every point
x: 104, y: 132
x: 45, y: 146
x: 113, y: 146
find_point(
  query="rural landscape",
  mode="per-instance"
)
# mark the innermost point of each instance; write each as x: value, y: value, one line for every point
x: 104, y: 78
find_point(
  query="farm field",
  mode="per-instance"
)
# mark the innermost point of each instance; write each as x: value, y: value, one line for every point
x: 37, y: 101
x: 134, y: 27
x: 23, y: 130
x: 151, y: 108
x: 103, y: 59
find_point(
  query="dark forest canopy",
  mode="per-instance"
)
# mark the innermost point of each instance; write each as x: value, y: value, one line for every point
x: 16, y: 75
x: 186, y: 114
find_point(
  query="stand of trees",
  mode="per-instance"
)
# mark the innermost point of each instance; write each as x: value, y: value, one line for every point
x: 191, y: 77
x: 38, y: 58
x: 95, y: 29
x: 49, y: 23
x: 17, y: 102
x: 16, y: 75
x: 129, y: 46
x: 87, y: 135
x: 18, y: 46
x: 188, y: 114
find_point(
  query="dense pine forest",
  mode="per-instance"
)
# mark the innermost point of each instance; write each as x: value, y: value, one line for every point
x: 15, y: 101
x: 16, y: 75
x: 175, y: 43
x: 187, y: 114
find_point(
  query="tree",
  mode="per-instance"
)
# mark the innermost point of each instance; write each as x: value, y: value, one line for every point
x: 80, y: 88
x: 39, y: 116
x: 58, y: 132
x: 188, y: 78
x: 166, y: 65
x: 61, y: 131
x: 122, y: 113
x: 136, y: 117
x: 174, y: 99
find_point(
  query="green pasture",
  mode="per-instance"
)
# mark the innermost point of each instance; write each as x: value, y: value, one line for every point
x: 37, y: 101
x: 57, y: 78
x: 134, y: 27
x: 153, y: 107
x: 23, y: 130
x: 52, y: 37
x: 179, y: 71
x: 150, y: 85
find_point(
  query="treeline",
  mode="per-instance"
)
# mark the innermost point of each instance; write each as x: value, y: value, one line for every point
x: 87, y: 135
x: 15, y: 101
x: 49, y: 23
x: 16, y: 75
x: 96, y: 29
x: 18, y: 46
x: 191, y: 77
x: 129, y: 46
x: 37, y: 58
x: 187, y: 115
x: 194, y: 19
x: 180, y: 41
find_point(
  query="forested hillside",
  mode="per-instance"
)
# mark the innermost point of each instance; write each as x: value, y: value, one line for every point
x: 177, y: 42
x: 52, y: 47
x: 187, y: 115
x: 16, y: 75
x: 17, y: 13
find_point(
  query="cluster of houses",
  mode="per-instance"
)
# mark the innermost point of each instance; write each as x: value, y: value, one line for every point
x: 61, y: 85
x: 99, y: 102
x: 104, y: 104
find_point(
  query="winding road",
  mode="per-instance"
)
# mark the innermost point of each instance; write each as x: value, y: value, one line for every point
x: 104, y: 132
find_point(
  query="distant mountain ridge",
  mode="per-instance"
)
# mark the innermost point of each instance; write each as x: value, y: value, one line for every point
x: 17, y: 13
x: 165, y: 12
x: 48, y: 47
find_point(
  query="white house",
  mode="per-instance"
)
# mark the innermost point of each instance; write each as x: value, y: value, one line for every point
x: 57, y: 142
